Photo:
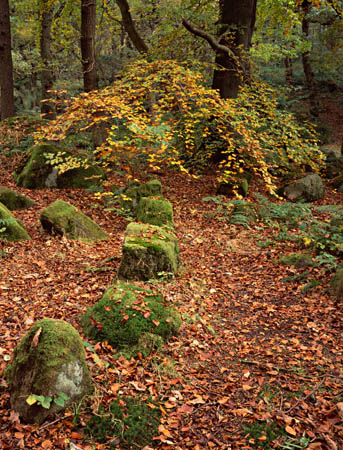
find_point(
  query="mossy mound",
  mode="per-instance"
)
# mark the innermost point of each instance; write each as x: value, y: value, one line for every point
x: 14, y: 200
x: 11, y: 229
x: 64, y: 219
x: 133, y: 422
x: 49, y: 360
x: 37, y: 171
x: 148, y: 252
x: 131, y: 319
x: 135, y: 191
x: 156, y: 211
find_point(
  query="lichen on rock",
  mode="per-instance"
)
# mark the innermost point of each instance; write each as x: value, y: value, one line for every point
x: 13, y: 200
x: 156, y: 211
x: 148, y: 252
x: 11, y: 229
x: 49, y: 360
x: 64, y: 219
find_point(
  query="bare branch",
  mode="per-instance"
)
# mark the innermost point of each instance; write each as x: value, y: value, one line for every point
x: 216, y: 46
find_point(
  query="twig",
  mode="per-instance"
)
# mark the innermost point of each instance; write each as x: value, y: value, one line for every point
x: 315, y: 389
x: 55, y: 421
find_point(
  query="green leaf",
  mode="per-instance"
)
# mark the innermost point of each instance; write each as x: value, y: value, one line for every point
x: 46, y: 402
x: 59, y: 401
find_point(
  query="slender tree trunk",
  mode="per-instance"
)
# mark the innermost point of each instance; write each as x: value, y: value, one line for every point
x: 130, y: 28
x: 306, y: 61
x: 237, y: 20
x: 88, y: 22
x: 47, y: 73
x: 288, y: 70
x: 6, y: 65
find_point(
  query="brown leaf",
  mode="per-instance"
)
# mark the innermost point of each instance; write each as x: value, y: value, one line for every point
x: 35, y: 339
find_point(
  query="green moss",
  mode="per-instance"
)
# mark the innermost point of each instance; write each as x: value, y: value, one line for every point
x: 63, y: 218
x: 131, y: 320
x: 156, y: 211
x: 135, y: 191
x: 148, y: 250
x: 131, y: 420
x: 11, y: 229
x: 38, y: 173
x: 37, y: 366
x: 14, y: 200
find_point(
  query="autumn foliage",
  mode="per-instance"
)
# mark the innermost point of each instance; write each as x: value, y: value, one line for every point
x: 161, y: 113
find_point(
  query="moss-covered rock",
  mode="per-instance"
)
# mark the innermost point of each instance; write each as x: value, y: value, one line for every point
x: 49, y: 360
x: 11, y: 229
x: 148, y: 252
x: 156, y: 211
x: 14, y: 200
x: 38, y: 173
x: 64, y: 219
x: 135, y: 191
x: 131, y: 319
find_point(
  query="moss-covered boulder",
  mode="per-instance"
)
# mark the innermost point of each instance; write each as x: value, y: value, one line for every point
x: 135, y: 191
x: 49, y: 362
x: 14, y: 200
x: 131, y: 320
x: 156, y: 211
x: 38, y: 172
x: 64, y: 219
x: 148, y: 252
x: 11, y: 229
x: 309, y: 189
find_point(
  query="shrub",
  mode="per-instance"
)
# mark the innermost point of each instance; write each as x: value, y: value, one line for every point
x: 161, y: 113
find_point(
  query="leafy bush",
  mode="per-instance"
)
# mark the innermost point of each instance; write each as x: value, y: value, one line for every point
x: 161, y: 113
x: 132, y: 421
x: 131, y: 319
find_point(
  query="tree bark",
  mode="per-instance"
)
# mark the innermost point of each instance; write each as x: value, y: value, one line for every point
x: 47, y: 73
x: 88, y: 22
x: 6, y: 65
x: 237, y: 21
x: 130, y: 28
x: 307, y: 67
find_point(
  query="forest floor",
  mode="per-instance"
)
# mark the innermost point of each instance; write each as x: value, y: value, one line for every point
x: 258, y: 363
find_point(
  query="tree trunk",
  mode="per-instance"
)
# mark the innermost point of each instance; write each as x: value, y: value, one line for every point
x: 88, y: 21
x: 288, y: 70
x: 237, y: 21
x: 6, y: 65
x: 47, y: 73
x: 309, y: 76
x: 130, y: 28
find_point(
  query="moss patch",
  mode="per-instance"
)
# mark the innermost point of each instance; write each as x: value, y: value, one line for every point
x: 49, y: 359
x: 14, y: 200
x: 156, y: 211
x: 131, y: 320
x: 64, y: 219
x: 11, y: 229
x: 131, y: 420
x: 38, y: 173
x: 148, y: 251
x: 135, y: 191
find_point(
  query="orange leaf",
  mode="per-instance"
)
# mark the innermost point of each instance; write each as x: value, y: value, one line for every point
x: 247, y: 387
x: 75, y: 435
x: 290, y: 430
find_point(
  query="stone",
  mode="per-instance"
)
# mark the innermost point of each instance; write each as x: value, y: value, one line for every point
x: 131, y: 319
x: 309, y: 189
x: 148, y: 252
x: 64, y: 219
x: 49, y: 360
x: 38, y: 173
x: 135, y: 191
x: 11, y: 229
x: 156, y: 211
x: 14, y: 200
